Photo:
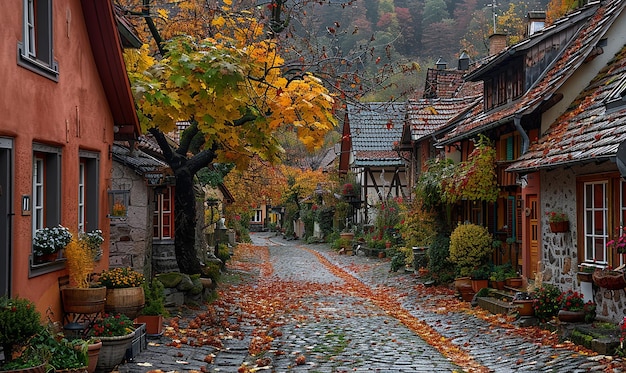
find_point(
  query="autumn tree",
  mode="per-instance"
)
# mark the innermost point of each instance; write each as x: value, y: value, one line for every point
x: 232, y: 90
x: 259, y: 183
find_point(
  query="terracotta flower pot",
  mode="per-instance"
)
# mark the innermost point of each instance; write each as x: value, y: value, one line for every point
x: 559, y: 227
x: 479, y: 284
x: 524, y: 307
x: 571, y: 316
x: 154, y: 324
x: 514, y: 282
x: 93, y: 352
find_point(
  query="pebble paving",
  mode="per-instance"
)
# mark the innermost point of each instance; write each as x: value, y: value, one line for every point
x: 357, y: 336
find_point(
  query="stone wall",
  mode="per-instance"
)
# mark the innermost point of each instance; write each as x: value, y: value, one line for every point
x: 131, y: 237
x: 559, y: 251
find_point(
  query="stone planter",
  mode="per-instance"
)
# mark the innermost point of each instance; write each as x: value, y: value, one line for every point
x: 113, y: 352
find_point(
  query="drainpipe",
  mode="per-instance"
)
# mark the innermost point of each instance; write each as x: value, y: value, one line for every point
x: 525, y: 141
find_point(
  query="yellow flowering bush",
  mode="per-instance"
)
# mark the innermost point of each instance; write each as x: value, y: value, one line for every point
x: 470, y: 247
x: 122, y: 277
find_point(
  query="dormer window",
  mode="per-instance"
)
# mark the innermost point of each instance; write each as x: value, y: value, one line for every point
x: 504, y: 86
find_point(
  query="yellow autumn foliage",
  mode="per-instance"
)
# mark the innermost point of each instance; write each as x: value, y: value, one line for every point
x: 80, y: 262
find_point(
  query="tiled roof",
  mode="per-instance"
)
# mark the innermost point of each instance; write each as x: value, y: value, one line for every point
x: 144, y: 164
x: 427, y: 116
x: 586, y: 131
x: 374, y: 127
x: 597, y: 18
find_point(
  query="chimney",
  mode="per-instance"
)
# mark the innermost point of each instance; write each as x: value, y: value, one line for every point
x: 536, y: 21
x: 441, y: 64
x: 497, y: 43
x: 464, y: 61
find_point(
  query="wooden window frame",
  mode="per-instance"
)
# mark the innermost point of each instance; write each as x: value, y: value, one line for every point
x: 46, y: 198
x: 35, y: 51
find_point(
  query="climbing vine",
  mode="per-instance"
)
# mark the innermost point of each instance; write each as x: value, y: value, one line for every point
x: 475, y: 179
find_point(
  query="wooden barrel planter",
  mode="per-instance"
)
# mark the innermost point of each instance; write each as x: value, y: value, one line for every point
x: 83, y: 300
x: 128, y: 301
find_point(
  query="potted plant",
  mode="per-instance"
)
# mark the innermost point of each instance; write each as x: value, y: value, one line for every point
x: 546, y: 304
x: 116, y: 333
x: 480, y: 278
x: 154, y: 309
x: 559, y: 222
x: 608, y: 278
x: 572, y: 307
x: 19, y: 322
x: 81, y: 296
x: 513, y: 279
x: 585, y: 273
x: 524, y: 302
x: 124, y: 291
x: 48, y: 242
x: 61, y: 353
x: 498, y: 276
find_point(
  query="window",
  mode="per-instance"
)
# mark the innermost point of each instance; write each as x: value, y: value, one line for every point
x: 595, y: 221
x: 163, y: 221
x: 258, y: 216
x: 35, y: 51
x: 46, y: 199
x: 88, y: 200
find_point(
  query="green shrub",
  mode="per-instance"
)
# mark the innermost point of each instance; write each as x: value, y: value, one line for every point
x: 223, y: 252
x: 418, y: 228
x: 212, y: 271
x: 439, y: 266
x: 155, y: 298
x: 470, y: 247
x: 19, y: 320
x: 399, y: 258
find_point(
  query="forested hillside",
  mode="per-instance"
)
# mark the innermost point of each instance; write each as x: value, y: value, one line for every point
x: 376, y: 32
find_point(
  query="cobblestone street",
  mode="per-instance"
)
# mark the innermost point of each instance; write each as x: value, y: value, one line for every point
x: 337, y: 331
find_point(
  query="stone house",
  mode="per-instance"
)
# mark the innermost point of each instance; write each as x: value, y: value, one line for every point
x: 545, y: 107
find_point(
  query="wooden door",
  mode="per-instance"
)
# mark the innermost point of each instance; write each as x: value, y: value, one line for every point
x: 533, y: 233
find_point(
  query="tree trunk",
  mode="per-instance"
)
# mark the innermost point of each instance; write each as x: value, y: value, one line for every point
x: 184, y: 197
x: 185, y: 222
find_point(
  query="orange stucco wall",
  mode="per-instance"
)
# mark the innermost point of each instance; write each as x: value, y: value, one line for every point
x: 71, y: 113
